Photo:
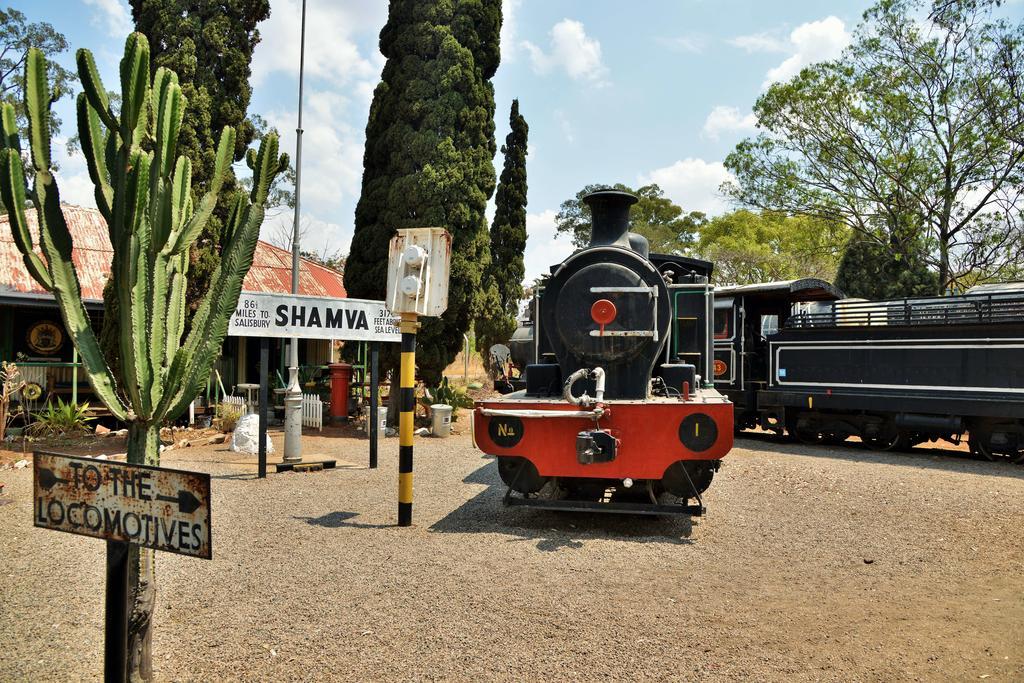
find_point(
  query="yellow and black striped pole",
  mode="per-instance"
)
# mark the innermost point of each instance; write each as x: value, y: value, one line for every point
x: 407, y: 408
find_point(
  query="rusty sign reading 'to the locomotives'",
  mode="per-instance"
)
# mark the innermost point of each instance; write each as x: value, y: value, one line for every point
x: 150, y: 506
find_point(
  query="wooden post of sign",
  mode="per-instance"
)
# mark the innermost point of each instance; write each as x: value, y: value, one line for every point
x: 374, y: 402
x: 264, y: 401
x: 115, y: 646
x: 407, y: 407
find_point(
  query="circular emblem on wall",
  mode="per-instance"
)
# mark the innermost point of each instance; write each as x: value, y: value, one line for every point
x: 45, y: 337
x: 505, y: 431
x: 721, y: 367
x: 31, y: 391
x: 698, y: 432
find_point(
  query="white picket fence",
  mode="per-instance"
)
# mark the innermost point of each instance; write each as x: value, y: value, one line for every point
x: 312, y: 411
x: 238, y: 401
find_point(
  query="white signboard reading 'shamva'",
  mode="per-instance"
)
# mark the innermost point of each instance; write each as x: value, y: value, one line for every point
x: 312, y: 317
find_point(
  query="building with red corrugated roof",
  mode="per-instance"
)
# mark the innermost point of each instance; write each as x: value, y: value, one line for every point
x: 31, y: 329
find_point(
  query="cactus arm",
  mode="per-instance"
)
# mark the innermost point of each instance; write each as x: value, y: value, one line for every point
x: 156, y: 334
x: 141, y: 273
x: 37, y: 103
x: 56, y: 240
x: 169, y: 108
x: 12, y: 189
x: 93, y: 140
x: 182, y: 239
x: 10, y: 128
x: 175, y: 307
x: 93, y: 88
x: 134, y: 87
x: 181, y: 195
x: 219, y: 302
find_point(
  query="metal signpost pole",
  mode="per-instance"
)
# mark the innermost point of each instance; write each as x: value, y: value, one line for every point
x: 115, y: 646
x: 293, y: 397
x: 374, y: 401
x: 264, y: 401
x: 407, y: 407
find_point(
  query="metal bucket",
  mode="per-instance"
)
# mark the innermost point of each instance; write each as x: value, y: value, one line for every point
x: 382, y: 420
x: 441, y: 419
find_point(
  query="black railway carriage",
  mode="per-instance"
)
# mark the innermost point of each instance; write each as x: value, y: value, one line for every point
x: 893, y: 373
x: 744, y: 316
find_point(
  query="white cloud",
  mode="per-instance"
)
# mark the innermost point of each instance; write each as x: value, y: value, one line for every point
x: 544, y: 248
x: 759, y: 42
x: 692, y: 184
x: 572, y: 51
x: 331, y: 52
x: 73, y: 180
x: 509, y: 29
x: 566, y: 125
x: 814, y: 41
x: 112, y: 16
x: 725, y: 119
x: 692, y: 43
x: 332, y: 160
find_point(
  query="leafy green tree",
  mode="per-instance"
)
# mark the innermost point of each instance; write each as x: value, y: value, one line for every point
x: 915, y: 109
x: 503, y: 277
x: 209, y: 44
x: 748, y: 247
x: 17, y: 35
x: 654, y: 216
x: 429, y: 156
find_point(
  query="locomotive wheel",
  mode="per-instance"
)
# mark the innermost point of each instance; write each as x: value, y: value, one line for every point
x: 809, y: 437
x: 688, y: 478
x: 833, y: 439
x: 521, y: 475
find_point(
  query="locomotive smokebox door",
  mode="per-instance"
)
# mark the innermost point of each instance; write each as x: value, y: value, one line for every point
x: 418, y: 263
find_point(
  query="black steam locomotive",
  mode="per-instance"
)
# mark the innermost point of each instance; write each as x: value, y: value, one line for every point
x: 617, y: 402
x: 795, y: 357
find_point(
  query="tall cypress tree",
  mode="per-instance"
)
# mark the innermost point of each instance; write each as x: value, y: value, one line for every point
x: 209, y: 44
x: 503, y: 276
x: 429, y: 155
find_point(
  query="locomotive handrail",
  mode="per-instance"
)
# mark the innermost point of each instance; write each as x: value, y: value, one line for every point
x: 594, y: 414
x: 651, y: 291
x: 977, y: 309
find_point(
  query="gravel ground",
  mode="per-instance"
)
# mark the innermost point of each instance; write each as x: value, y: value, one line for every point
x: 812, y: 564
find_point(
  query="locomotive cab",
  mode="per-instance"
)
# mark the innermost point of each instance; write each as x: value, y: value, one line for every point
x: 619, y: 400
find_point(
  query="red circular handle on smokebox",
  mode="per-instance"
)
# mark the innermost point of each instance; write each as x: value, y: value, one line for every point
x: 603, y: 312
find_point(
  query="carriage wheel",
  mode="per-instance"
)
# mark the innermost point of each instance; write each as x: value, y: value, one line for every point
x: 886, y: 441
x: 982, y: 445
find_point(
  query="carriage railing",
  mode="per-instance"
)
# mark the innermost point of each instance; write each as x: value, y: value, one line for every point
x: 968, y: 309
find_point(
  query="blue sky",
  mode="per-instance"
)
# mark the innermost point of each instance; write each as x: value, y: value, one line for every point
x: 638, y: 92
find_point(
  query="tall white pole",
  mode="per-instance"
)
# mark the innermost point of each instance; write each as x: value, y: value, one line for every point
x: 293, y: 397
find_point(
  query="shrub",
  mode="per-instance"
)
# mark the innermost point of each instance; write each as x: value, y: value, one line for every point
x: 444, y: 393
x: 228, y: 415
x: 62, y: 419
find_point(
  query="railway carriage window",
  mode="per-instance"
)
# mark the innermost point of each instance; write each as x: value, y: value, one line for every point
x: 723, y: 323
x: 769, y: 324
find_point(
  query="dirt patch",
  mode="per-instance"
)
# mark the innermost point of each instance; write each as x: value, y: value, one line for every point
x: 814, y: 563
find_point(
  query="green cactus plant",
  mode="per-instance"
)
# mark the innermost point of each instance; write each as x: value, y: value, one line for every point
x: 143, y: 190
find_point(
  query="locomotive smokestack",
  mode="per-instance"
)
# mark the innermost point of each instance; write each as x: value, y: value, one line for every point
x: 609, y: 211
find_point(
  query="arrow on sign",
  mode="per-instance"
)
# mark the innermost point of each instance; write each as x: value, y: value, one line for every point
x: 47, y: 479
x: 187, y: 503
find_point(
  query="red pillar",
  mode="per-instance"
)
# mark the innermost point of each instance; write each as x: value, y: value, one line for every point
x: 341, y: 377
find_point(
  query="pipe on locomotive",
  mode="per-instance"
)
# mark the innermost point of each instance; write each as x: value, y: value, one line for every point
x: 584, y: 400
